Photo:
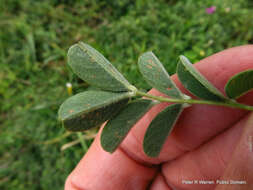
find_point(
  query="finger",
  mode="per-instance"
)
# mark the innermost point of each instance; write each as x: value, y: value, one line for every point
x: 204, y: 165
x: 159, y: 183
x: 99, y: 170
x: 239, y: 173
x: 199, y: 123
x: 97, y: 163
x: 69, y: 185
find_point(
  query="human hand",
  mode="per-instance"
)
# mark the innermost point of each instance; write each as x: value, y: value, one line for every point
x: 208, y: 143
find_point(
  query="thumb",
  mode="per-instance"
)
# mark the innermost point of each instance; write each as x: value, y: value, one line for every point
x: 239, y: 172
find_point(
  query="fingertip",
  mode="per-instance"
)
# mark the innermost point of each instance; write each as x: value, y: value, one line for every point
x: 101, y: 170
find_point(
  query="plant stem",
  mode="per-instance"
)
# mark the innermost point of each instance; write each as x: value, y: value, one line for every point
x: 72, y: 143
x: 57, y: 139
x: 229, y: 103
x: 82, y: 141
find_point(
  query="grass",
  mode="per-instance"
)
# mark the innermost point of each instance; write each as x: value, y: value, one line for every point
x: 34, y: 39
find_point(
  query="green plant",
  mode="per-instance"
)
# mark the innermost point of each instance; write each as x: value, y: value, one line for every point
x: 113, y: 100
x: 121, y: 31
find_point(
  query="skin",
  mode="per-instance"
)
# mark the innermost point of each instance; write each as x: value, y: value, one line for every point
x: 207, y: 143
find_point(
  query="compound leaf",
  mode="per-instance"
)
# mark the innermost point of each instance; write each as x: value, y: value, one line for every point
x: 160, y: 128
x: 195, y: 82
x: 90, y: 109
x: 156, y: 75
x: 95, y: 69
x: 117, y: 128
x: 239, y: 84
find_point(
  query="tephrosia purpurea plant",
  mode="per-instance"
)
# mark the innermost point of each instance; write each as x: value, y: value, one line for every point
x: 121, y: 104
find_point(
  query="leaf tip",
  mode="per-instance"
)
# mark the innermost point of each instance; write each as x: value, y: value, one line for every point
x: 104, y: 144
x: 145, y: 55
x: 184, y: 59
x: 239, y: 84
x: 150, y: 153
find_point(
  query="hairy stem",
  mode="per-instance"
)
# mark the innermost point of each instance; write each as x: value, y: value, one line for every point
x: 229, y: 103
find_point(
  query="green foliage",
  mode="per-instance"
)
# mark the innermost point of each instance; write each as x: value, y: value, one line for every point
x: 117, y: 128
x: 160, y: 128
x: 156, y: 75
x: 90, y: 109
x: 239, y: 84
x: 95, y: 69
x: 195, y: 82
x: 34, y: 39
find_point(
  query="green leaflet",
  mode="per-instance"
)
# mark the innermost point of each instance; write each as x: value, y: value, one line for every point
x: 160, y: 128
x: 156, y: 75
x: 195, y: 82
x: 117, y: 128
x: 95, y: 69
x: 239, y: 84
x: 90, y: 109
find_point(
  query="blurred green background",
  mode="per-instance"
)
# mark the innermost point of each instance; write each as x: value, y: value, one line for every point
x: 34, y: 38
